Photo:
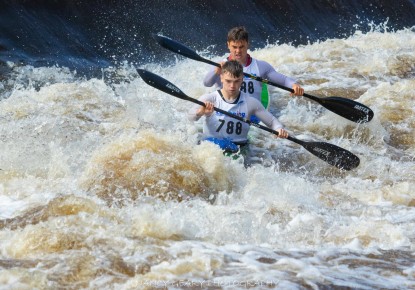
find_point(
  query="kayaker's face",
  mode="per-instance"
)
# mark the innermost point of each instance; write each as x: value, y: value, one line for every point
x: 231, y: 84
x: 238, y: 50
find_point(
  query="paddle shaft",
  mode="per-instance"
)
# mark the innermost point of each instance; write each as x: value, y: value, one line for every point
x: 346, y: 108
x: 330, y: 153
x: 259, y: 79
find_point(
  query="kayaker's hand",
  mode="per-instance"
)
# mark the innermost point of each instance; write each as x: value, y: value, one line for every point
x: 218, y: 70
x: 282, y: 133
x: 298, y: 90
x: 207, y: 110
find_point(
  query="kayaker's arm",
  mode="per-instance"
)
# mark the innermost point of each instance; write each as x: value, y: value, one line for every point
x: 197, y: 111
x: 266, y: 117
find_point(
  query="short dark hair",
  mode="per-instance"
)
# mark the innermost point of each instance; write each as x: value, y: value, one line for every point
x: 233, y: 67
x: 237, y: 34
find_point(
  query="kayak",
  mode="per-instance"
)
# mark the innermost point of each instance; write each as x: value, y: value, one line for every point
x: 225, y: 144
x: 230, y: 149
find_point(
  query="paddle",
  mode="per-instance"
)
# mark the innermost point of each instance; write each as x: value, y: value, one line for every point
x: 346, y: 108
x: 330, y: 153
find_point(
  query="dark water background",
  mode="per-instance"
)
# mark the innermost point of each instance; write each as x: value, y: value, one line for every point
x: 98, y: 33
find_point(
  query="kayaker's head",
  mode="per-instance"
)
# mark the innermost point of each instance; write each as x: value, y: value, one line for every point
x: 234, y: 68
x: 231, y: 77
x: 238, y: 44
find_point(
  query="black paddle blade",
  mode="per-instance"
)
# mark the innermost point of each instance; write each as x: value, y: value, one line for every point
x: 348, y: 109
x: 177, y: 47
x: 333, y: 155
x: 161, y: 84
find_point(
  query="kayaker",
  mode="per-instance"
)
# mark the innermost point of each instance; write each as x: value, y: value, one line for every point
x: 233, y: 100
x: 238, y: 44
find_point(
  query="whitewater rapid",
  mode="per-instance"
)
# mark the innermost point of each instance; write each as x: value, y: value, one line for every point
x: 102, y: 185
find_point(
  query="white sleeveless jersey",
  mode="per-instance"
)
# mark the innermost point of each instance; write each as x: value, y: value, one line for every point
x: 222, y: 126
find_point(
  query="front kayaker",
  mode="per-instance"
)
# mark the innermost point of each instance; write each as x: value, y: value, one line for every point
x: 231, y: 99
